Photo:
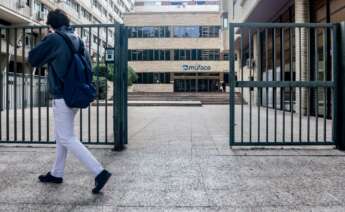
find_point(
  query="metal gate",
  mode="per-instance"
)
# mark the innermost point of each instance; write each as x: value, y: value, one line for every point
x: 286, y: 74
x: 26, y: 113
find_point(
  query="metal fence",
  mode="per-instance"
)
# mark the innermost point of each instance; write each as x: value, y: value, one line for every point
x: 26, y: 113
x: 286, y: 73
x: 22, y: 88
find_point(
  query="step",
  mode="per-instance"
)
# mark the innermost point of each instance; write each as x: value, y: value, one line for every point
x: 204, y: 98
x: 154, y: 103
x: 166, y: 103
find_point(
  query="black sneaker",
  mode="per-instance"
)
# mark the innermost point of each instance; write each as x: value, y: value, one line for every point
x: 48, y: 178
x: 100, y: 181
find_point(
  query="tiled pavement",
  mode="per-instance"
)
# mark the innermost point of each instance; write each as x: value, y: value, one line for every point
x: 178, y: 159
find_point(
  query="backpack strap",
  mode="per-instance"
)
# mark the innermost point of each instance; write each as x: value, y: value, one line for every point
x: 70, y: 44
x: 73, y: 49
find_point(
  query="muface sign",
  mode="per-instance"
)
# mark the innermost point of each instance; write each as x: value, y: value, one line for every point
x: 196, y: 68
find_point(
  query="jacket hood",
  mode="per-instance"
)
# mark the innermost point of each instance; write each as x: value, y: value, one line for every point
x: 69, y: 31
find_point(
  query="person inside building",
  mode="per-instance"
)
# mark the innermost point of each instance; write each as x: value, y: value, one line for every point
x: 54, y: 51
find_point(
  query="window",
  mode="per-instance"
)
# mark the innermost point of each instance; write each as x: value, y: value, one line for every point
x: 208, y: 54
x: 167, y: 54
x: 145, y: 55
x: 209, y: 31
x: 148, y: 55
x: 188, y: 54
x: 177, y: 31
x: 175, y: 54
x: 226, y: 56
x: 140, y: 32
x: 225, y: 21
x: 196, y: 54
x: 182, y: 54
x: 161, y: 55
x: 156, y: 55
x: 149, y: 32
x: 133, y: 32
x: 95, y: 39
x: 153, y: 78
x: 186, y: 32
x: 176, y: 3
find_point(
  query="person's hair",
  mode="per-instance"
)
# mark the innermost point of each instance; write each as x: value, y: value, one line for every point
x: 57, y: 18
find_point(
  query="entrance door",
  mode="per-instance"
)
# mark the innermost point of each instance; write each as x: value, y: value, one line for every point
x: 190, y: 82
x: 208, y: 85
x: 179, y: 85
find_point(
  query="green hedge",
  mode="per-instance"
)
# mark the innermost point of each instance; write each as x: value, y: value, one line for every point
x: 132, y: 76
x: 102, y: 89
x: 106, y: 73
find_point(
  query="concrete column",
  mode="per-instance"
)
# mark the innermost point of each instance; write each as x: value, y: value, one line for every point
x: 302, y: 15
x: 172, y: 76
x: 221, y: 77
x: 257, y: 66
x: 238, y: 71
x: 3, y: 64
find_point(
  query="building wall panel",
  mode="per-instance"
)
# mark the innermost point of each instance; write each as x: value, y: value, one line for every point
x: 174, y: 43
x: 172, y: 19
x: 177, y: 66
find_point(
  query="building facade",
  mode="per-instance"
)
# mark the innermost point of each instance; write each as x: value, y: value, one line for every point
x: 307, y: 53
x: 176, y: 51
x: 17, y: 78
x: 176, y: 5
x: 22, y: 12
x: 34, y: 12
x: 179, y: 50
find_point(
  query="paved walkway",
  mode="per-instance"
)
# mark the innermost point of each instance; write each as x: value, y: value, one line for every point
x: 178, y: 160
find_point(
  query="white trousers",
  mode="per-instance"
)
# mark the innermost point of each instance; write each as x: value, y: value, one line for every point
x: 66, y: 140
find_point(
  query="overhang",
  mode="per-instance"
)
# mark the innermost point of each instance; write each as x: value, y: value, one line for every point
x: 13, y: 17
x: 267, y: 10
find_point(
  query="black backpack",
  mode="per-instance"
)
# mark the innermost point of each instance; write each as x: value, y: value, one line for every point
x: 78, y: 90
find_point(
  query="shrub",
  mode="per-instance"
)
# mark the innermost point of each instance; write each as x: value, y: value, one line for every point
x: 107, y: 71
x: 102, y: 89
x: 132, y: 76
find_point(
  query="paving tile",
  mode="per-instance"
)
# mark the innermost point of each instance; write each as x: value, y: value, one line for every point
x: 178, y: 159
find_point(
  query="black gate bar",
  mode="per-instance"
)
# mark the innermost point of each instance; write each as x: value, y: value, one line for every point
x: 266, y: 84
x: 26, y: 111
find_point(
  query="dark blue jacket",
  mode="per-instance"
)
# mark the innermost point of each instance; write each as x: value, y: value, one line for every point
x: 54, y: 51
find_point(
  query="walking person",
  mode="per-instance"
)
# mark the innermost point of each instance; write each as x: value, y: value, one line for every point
x: 56, y: 51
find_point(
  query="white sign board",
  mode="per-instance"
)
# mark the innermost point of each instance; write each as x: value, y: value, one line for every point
x: 196, y: 67
x: 109, y: 55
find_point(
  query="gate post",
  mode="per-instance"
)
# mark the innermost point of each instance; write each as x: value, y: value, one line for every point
x: 339, y: 78
x: 125, y: 91
x: 232, y: 82
x: 120, y: 88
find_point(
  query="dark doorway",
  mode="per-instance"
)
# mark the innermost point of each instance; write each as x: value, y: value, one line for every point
x: 194, y: 85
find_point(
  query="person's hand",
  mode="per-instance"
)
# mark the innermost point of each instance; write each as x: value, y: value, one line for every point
x: 47, y: 31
